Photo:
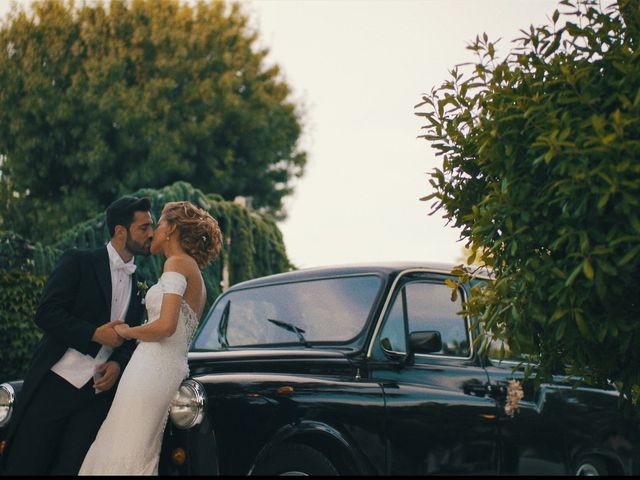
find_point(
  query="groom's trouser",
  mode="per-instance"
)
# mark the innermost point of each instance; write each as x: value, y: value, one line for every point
x: 57, y: 428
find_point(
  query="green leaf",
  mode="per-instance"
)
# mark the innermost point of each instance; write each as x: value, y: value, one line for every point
x: 573, y: 275
x: 472, y: 258
x: 587, y: 269
x: 584, y: 241
x: 629, y: 256
x: 558, y: 314
x: 602, y: 333
x: 509, y: 224
x: 450, y: 283
x: 560, y: 331
x: 582, y: 326
x: 598, y: 122
x: 603, y: 201
x: 454, y: 295
x: 608, y: 268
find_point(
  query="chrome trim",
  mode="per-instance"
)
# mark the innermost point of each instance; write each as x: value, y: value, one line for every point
x: 198, y: 400
x: 327, y: 276
x: 240, y: 353
x: 394, y: 352
x: 12, y: 399
x: 386, y: 306
x: 508, y: 363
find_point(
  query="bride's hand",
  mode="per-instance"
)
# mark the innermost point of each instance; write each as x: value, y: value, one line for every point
x: 123, y: 330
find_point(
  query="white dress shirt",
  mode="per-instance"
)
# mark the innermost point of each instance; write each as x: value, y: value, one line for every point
x: 78, y: 368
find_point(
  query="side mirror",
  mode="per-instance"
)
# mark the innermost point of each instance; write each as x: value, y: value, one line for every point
x: 425, y: 342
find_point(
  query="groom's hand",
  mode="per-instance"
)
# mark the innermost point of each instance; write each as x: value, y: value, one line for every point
x: 106, y: 334
x: 123, y: 331
x: 106, y: 375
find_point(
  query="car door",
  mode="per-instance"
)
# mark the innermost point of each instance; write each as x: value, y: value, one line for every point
x: 531, y: 431
x: 438, y: 419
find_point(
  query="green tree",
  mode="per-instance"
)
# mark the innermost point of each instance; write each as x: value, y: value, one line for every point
x: 540, y: 170
x: 97, y: 100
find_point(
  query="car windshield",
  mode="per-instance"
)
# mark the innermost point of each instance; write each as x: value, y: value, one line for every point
x: 333, y: 310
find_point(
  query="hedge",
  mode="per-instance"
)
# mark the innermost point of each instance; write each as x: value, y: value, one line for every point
x: 19, y: 295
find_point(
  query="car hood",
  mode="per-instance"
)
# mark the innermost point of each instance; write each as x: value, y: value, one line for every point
x: 272, y: 360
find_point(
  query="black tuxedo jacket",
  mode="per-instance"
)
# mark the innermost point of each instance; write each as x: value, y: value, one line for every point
x: 75, y: 301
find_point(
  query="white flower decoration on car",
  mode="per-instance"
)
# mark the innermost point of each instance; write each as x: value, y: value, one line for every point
x: 514, y: 395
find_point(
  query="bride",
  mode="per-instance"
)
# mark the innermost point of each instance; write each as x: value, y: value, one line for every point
x: 130, y: 438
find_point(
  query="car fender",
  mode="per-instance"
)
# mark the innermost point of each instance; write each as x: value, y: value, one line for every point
x: 596, y: 427
x: 319, y: 435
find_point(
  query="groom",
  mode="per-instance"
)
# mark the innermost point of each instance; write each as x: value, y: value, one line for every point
x: 71, y: 381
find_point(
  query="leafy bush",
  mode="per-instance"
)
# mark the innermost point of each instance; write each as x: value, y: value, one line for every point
x: 540, y: 170
x: 15, y: 252
x: 18, y: 253
x: 19, y: 295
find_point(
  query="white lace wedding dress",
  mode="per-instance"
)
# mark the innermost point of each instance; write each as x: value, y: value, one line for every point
x: 129, y: 439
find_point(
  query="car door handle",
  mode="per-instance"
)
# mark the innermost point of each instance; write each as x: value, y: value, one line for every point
x: 477, y: 389
x: 485, y: 390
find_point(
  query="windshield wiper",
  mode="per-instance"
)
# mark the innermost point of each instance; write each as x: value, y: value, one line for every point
x: 291, y: 328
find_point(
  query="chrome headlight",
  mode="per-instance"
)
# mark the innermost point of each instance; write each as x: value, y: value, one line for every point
x: 188, y: 406
x: 7, y: 398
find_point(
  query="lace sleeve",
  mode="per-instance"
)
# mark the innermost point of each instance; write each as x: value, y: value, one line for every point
x: 174, y: 282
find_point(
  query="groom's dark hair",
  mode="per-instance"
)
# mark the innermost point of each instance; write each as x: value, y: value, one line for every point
x: 121, y: 211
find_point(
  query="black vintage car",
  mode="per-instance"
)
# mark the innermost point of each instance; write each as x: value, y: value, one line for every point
x: 371, y: 370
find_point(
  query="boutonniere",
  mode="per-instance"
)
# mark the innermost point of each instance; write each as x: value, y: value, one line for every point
x: 142, y: 290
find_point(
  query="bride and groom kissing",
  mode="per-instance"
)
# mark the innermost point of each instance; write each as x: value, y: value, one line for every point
x: 96, y: 397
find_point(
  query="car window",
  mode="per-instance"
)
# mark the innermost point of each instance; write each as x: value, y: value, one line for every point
x: 327, y: 310
x: 392, y: 337
x: 428, y: 307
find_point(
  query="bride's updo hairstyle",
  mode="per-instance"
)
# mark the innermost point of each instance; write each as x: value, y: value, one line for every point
x: 198, y: 231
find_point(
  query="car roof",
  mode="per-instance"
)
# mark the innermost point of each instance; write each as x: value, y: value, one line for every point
x: 384, y: 268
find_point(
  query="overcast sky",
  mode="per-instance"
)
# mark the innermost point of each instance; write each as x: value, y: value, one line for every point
x: 359, y: 67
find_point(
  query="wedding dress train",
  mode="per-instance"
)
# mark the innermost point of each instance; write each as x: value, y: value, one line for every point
x: 130, y: 438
